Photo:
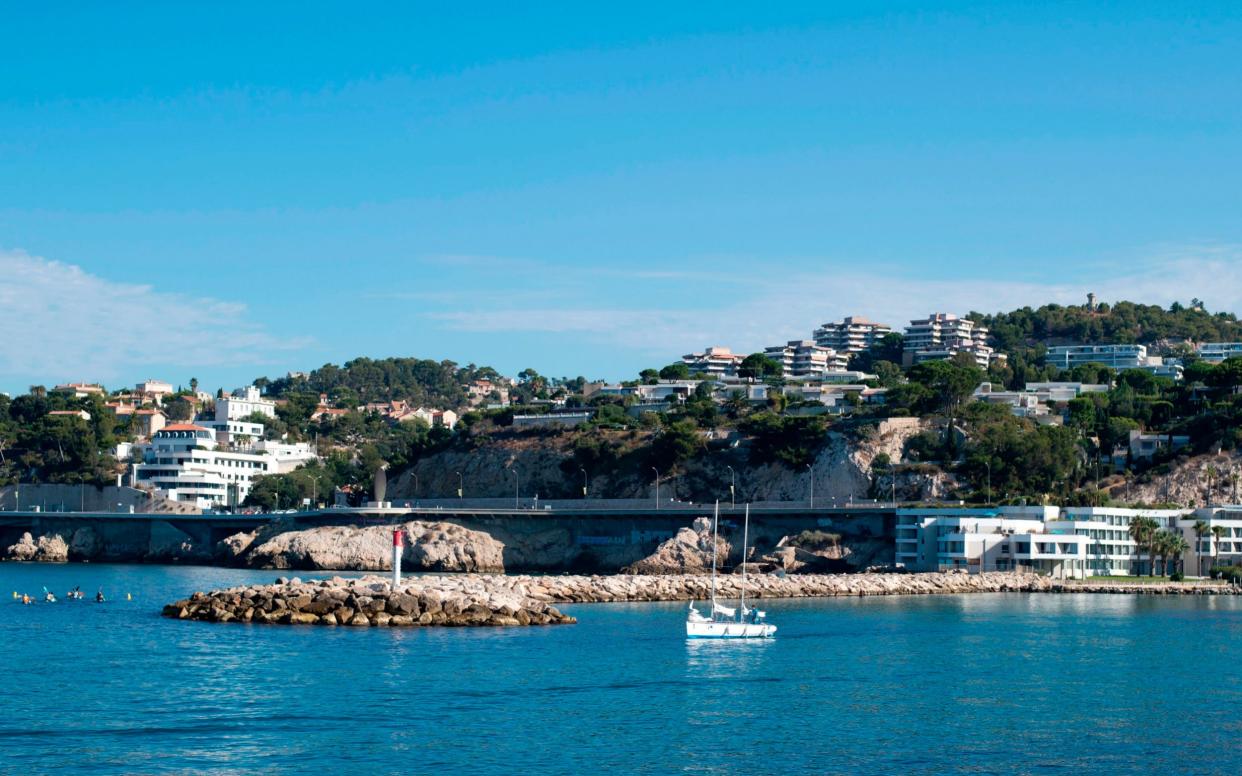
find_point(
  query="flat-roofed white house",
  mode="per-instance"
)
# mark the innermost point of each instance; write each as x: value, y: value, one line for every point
x: 184, y: 462
x: 1216, y: 352
x: 243, y: 403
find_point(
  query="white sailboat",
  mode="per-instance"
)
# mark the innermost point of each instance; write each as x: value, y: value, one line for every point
x: 725, y: 622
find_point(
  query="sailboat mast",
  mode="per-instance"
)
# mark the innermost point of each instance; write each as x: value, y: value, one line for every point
x: 745, y: 537
x: 715, y: 529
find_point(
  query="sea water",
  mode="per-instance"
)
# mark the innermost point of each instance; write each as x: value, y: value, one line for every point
x: 978, y: 684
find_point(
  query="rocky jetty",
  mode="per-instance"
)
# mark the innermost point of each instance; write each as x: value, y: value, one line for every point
x: 463, y: 600
x: 433, y: 546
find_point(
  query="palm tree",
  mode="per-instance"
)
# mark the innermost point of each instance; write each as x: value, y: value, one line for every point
x: 1218, y: 533
x: 1211, y: 475
x: 1201, y: 530
x: 1142, y: 531
x: 1177, y: 546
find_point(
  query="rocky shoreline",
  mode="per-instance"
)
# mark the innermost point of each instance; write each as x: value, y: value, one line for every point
x: 497, y: 600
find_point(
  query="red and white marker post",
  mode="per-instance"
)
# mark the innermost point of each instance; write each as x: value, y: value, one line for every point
x: 398, y: 544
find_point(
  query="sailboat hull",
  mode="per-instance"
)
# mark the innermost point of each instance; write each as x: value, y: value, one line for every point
x: 729, y: 630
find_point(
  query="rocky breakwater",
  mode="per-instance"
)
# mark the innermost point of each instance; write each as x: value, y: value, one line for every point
x: 472, y: 599
x: 466, y: 600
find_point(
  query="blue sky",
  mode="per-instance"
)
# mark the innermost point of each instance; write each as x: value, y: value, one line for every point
x: 229, y: 190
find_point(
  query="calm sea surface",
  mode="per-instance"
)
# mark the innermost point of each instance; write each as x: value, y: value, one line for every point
x: 953, y: 684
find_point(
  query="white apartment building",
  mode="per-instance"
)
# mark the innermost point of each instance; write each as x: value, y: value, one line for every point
x: 1062, y: 392
x: 1216, y: 352
x: 854, y: 334
x: 79, y: 390
x: 1071, y: 542
x: 183, y: 462
x: 989, y: 539
x: 243, y: 403
x: 1211, y: 550
x: 714, y: 362
x: 155, y: 390
x: 1111, y: 551
x: 940, y: 336
x: 804, y: 358
x: 1118, y: 357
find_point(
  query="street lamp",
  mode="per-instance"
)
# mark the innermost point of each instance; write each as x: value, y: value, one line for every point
x: 732, y: 487
x: 988, y: 464
x: 516, y: 481
x: 811, y: 477
x: 584, y: 481
x: 314, y: 478
x: 461, y: 485
x: 657, y: 486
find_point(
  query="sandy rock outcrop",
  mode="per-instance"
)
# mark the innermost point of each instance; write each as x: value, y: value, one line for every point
x: 689, y: 551
x: 51, y: 548
x: 430, y: 547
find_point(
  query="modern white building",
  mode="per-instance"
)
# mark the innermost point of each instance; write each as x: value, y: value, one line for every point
x: 854, y: 334
x: 940, y: 336
x: 1071, y: 542
x: 1118, y: 357
x: 1111, y: 550
x: 183, y: 462
x: 79, y: 390
x: 243, y: 403
x: 714, y: 362
x: 1216, y: 352
x: 155, y: 390
x: 1220, y: 546
x: 804, y: 358
x: 989, y: 539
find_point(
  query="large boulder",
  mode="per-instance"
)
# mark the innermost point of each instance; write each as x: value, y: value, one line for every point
x: 47, y: 549
x: 689, y: 551
x: 431, y: 547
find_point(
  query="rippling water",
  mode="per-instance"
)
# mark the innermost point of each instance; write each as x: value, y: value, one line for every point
x: 957, y: 684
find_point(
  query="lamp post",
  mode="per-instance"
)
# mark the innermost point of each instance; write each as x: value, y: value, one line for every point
x: 810, y: 471
x: 584, y: 481
x: 516, y: 483
x: 461, y: 484
x: 732, y: 487
x: 657, y: 486
x: 988, y: 464
x: 314, y: 478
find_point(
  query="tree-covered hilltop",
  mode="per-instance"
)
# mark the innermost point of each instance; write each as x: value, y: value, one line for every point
x: 1122, y: 322
x: 418, y: 381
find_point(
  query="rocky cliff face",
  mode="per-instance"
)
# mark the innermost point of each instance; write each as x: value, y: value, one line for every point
x: 431, y: 547
x: 545, y: 466
x: 1189, y: 482
x: 162, y: 543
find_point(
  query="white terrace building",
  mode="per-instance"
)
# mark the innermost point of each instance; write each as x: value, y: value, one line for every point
x: 184, y: 462
x: 1118, y: 357
x: 713, y: 362
x: 988, y: 539
x: 803, y: 358
x: 1224, y: 550
x: 243, y: 403
x: 940, y: 336
x: 852, y: 335
x: 1216, y: 352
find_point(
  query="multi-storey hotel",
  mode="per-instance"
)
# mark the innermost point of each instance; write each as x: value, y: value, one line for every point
x: 804, y: 358
x: 713, y: 362
x: 942, y: 335
x: 852, y: 335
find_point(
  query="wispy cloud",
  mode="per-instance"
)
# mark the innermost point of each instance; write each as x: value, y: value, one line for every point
x: 777, y: 307
x: 61, y: 322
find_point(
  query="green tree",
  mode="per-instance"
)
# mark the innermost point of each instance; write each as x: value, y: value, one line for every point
x: 758, y: 366
x: 675, y: 371
x: 950, y: 384
x: 649, y: 376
